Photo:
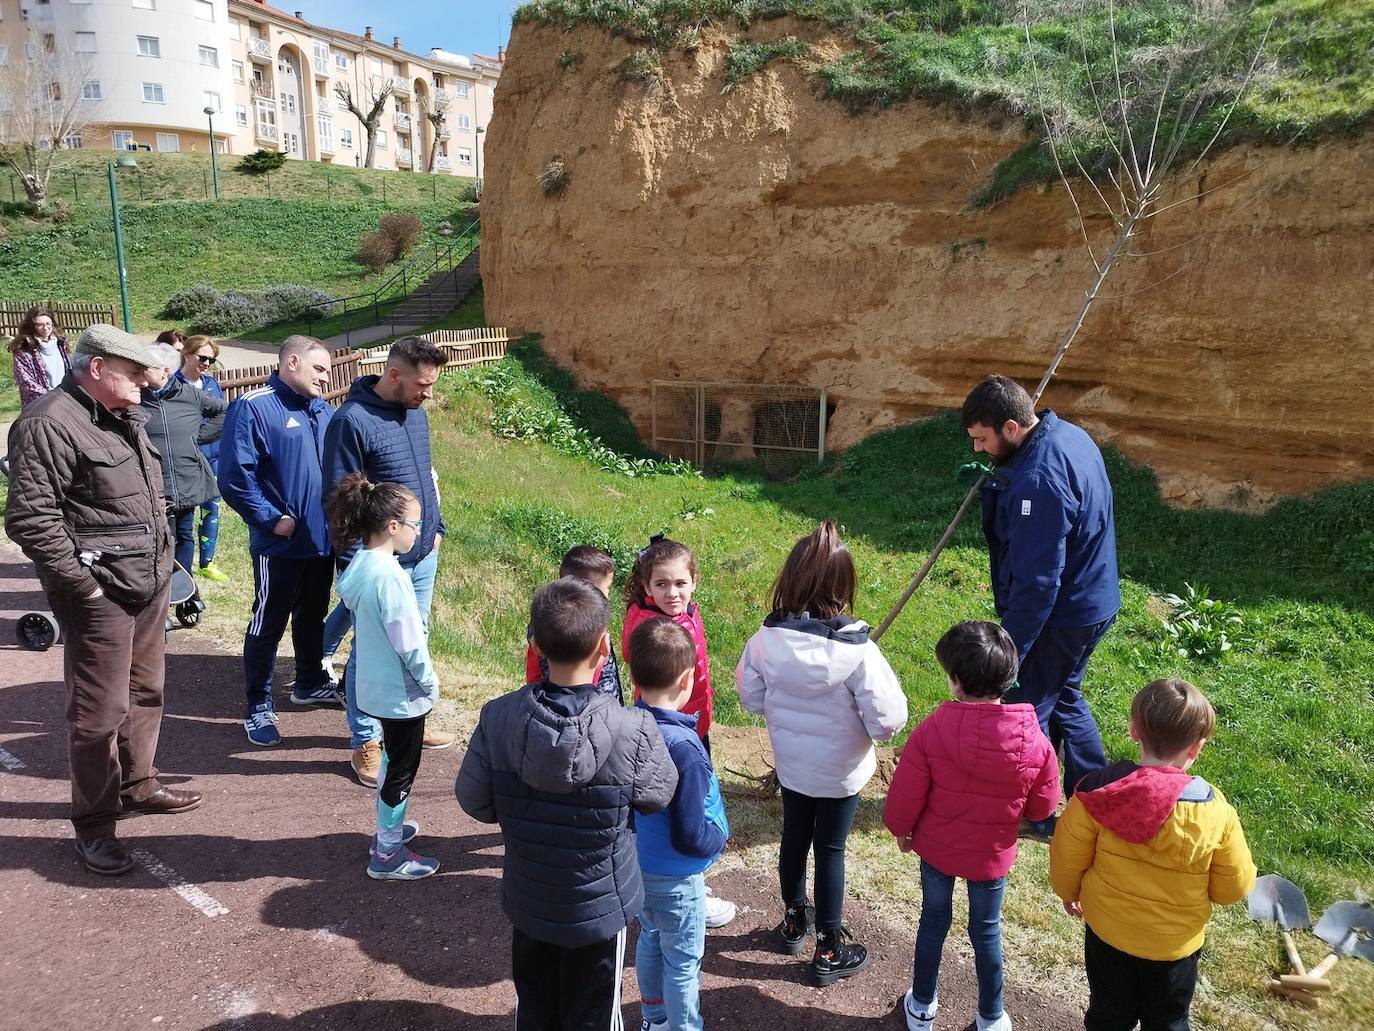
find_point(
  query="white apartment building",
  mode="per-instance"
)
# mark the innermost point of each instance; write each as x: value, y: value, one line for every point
x: 269, y: 77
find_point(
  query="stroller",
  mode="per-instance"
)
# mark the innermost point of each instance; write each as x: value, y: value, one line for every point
x: 39, y: 630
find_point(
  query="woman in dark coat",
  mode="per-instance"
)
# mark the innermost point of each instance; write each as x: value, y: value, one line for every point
x: 197, y: 357
x: 40, y: 355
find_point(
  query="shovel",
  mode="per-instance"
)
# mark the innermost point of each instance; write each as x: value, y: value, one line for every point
x: 1348, y: 927
x: 1278, y: 901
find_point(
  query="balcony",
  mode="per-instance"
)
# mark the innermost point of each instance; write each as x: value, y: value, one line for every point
x: 400, y: 86
x: 321, y: 67
x: 259, y: 49
x: 266, y: 132
x: 402, y: 122
x: 442, y: 164
x: 326, y: 145
x: 404, y: 157
x: 262, y: 89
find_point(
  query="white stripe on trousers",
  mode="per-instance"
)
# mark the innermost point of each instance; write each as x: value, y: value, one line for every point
x: 260, y: 602
x: 617, y: 1024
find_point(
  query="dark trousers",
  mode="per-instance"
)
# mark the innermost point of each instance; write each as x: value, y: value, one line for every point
x: 1050, y: 679
x: 402, y: 741
x: 1124, y: 989
x: 113, y: 664
x: 567, y: 989
x: 820, y: 825
x: 183, y: 527
x: 287, y: 588
x: 209, y: 532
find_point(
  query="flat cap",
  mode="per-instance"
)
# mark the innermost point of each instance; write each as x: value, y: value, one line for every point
x: 111, y: 342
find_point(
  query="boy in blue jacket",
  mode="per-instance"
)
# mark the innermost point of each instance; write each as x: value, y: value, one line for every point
x: 678, y: 844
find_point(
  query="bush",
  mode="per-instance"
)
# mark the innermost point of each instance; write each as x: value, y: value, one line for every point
x: 403, y: 229
x: 235, y: 312
x: 288, y: 302
x: 262, y: 161
x: 375, y: 251
x: 205, y: 310
x: 187, y: 304
x: 554, y: 179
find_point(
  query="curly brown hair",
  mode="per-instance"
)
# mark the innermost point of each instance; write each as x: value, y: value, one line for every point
x: 26, y: 340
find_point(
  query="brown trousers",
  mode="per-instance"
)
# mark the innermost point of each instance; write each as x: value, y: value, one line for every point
x: 114, y: 666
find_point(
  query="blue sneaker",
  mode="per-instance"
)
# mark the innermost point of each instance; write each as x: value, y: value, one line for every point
x: 408, y: 831
x: 1037, y: 830
x: 326, y: 694
x: 261, y: 725
x: 401, y: 865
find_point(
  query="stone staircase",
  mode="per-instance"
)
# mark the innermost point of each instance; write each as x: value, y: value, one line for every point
x: 439, y: 294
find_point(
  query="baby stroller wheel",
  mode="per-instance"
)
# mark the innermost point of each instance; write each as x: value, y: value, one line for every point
x: 38, y: 631
x: 188, y: 612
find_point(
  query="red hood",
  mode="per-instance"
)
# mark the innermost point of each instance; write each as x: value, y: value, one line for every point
x: 1132, y: 801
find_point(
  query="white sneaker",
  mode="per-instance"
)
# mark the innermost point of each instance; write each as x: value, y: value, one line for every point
x: 1002, y: 1023
x: 657, y: 1025
x: 719, y: 912
x: 916, y: 1020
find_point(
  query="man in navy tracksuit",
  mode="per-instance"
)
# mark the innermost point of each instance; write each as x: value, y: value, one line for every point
x: 382, y: 430
x: 270, y: 473
x: 1047, y: 516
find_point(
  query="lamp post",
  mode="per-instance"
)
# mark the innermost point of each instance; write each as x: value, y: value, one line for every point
x: 214, y: 165
x: 477, y: 150
x: 123, y: 161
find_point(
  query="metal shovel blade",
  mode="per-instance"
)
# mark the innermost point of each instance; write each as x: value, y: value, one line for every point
x: 1279, y: 901
x: 1348, y: 927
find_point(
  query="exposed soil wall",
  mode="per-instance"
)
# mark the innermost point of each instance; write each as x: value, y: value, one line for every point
x: 765, y: 235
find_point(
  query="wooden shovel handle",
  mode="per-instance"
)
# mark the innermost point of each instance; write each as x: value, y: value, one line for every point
x: 1298, y: 995
x: 1294, y: 960
x: 1321, y: 968
x: 1308, y: 982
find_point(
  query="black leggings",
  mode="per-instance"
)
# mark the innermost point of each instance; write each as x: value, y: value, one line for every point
x: 824, y: 823
x: 401, y: 740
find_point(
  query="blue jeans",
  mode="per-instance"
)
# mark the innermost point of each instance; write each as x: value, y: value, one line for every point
x: 362, y: 728
x: 672, y: 941
x: 984, y: 932
x: 334, y: 629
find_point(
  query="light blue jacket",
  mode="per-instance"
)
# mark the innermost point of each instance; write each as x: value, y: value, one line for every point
x: 395, y: 677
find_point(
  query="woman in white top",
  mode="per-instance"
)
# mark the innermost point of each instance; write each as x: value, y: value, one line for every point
x: 40, y: 355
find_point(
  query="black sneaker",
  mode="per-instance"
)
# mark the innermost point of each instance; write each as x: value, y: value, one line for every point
x: 796, y: 924
x: 836, y: 958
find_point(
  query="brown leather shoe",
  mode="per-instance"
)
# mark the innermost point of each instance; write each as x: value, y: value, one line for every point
x: 164, y: 801
x: 367, y: 763
x: 438, y: 739
x: 104, y: 855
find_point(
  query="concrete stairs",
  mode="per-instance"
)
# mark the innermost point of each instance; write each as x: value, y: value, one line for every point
x: 439, y: 294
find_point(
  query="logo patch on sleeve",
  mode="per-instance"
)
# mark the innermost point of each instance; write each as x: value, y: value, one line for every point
x: 1025, y: 507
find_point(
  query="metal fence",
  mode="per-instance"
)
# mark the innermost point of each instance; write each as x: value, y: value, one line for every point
x: 721, y: 423
x: 71, y: 318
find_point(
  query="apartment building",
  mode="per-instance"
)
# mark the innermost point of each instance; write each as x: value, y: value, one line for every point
x: 152, y: 68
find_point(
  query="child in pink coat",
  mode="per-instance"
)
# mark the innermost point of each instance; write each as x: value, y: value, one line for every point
x: 968, y: 774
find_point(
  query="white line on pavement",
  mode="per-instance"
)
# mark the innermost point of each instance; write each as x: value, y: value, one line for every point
x: 192, y: 894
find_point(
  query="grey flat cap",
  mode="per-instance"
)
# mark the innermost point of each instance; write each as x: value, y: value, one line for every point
x: 111, y: 342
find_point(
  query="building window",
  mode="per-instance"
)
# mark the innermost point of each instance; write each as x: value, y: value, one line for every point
x: 267, y: 112
x: 121, y: 139
x: 90, y: 89
x: 381, y: 137
x: 212, y: 99
x: 241, y: 113
x: 346, y: 138
x: 321, y: 51
x: 374, y: 66
x: 209, y: 57
x: 145, y: 5
x: 464, y: 123
x: 341, y: 61
x: 152, y: 93
x: 72, y: 142
x: 238, y: 70
x: 491, y: 89
x: 205, y: 10
x: 326, y: 127
x: 342, y: 106
x: 85, y: 43
x: 464, y: 155
x: 460, y: 89
x: 148, y: 46
x: 168, y: 143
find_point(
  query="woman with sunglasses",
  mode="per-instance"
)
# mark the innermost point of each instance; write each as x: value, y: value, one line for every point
x: 200, y: 353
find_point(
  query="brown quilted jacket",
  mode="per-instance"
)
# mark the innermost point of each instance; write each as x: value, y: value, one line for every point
x: 85, y: 499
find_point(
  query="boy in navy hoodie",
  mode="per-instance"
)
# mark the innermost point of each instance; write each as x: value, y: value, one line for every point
x: 679, y: 843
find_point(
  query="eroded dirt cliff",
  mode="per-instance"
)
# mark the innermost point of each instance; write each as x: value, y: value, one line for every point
x: 766, y: 235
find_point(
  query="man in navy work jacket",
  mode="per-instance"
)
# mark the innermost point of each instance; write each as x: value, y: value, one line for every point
x: 382, y: 429
x: 1047, y: 516
x: 270, y: 473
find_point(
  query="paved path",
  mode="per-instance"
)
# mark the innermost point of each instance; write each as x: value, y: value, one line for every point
x: 254, y: 912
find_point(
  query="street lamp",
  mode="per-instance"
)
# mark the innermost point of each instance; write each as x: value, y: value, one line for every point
x: 123, y: 161
x: 214, y: 166
x: 478, y: 152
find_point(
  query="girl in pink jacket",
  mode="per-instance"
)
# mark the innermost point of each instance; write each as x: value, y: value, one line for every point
x: 968, y: 775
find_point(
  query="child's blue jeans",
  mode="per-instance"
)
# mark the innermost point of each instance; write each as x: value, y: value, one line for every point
x: 984, y: 932
x: 672, y: 941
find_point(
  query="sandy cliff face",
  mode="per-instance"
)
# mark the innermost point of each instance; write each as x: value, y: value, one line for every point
x: 765, y: 235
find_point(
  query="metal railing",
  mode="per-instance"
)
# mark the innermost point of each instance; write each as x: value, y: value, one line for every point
x: 402, y: 122
x: 380, y: 303
x: 262, y: 88
x: 404, y: 156
x: 443, y: 164
x: 266, y: 132
x: 259, y: 48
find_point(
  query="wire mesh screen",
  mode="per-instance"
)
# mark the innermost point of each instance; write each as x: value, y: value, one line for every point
x: 709, y: 424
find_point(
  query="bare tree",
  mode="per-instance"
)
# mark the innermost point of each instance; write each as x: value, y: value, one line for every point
x: 378, y: 90
x: 437, y: 116
x: 41, y: 108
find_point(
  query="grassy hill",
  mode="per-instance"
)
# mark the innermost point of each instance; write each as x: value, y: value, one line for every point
x: 305, y: 232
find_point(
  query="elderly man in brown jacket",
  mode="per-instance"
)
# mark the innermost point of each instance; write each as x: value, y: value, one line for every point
x: 86, y: 505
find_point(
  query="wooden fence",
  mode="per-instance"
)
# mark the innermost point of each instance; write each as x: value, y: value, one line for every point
x: 71, y: 318
x: 342, y: 372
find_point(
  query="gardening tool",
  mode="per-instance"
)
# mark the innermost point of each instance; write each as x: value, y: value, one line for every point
x: 1348, y: 927
x: 1276, y: 900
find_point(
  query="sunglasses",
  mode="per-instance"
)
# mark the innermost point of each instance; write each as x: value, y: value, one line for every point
x: 205, y: 359
x: 414, y: 524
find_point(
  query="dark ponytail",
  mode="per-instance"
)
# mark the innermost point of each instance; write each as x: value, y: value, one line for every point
x: 357, y: 508
x: 659, y: 551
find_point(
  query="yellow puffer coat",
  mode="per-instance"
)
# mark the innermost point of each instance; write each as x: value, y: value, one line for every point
x: 1147, y: 850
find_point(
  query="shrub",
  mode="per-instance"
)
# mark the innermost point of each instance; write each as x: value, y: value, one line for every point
x: 1200, y: 626
x: 262, y: 161
x: 569, y: 59
x: 403, y: 229
x: 235, y: 312
x: 643, y: 67
x: 187, y: 304
x: 205, y: 310
x: 287, y: 302
x: 554, y: 179
x: 375, y: 251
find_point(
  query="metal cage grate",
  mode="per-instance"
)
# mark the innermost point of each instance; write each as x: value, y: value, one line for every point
x: 722, y: 423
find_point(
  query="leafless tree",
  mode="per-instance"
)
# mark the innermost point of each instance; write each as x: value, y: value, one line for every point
x: 41, y: 109
x: 377, y: 92
x: 436, y: 114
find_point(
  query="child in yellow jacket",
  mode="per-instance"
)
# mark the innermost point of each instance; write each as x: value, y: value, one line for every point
x: 1141, y: 853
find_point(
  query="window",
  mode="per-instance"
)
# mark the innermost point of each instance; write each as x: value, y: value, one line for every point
x: 342, y: 106
x: 72, y: 142
x: 288, y: 103
x: 346, y: 138
x: 152, y: 93
x: 235, y: 29
x: 241, y: 114
x: 145, y: 5
x: 168, y: 143
x: 222, y: 146
x: 205, y: 10
x: 321, y: 51
x: 212, y: 99
x: 121, y: 139
x: 460, y: 89
x: 148, y: 46
x: 209, y: 57
x: 491, y: 89
x: 464, y: 123
x: 381, y: 137
x: 267, y: 112
x: 464, y: 155
x: 326, y: 127
x: 85, y: 43
x: 54, y: 92
x: 374, y: 66
x: 341, y: 61
x: 238, y: 70
x: 90, y: 89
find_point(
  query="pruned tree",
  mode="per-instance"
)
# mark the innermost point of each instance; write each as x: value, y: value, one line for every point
x: 436, y: 115
x: 377, y: 90
x: 41, y: 108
